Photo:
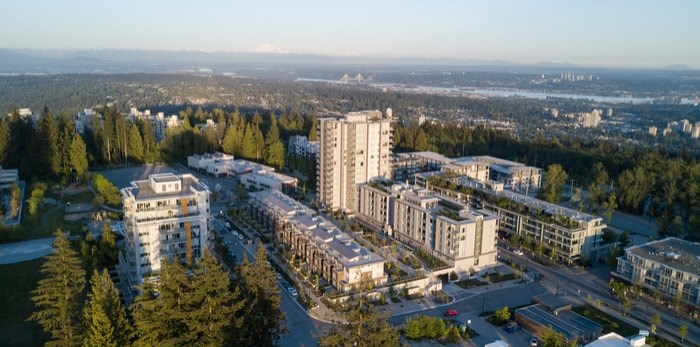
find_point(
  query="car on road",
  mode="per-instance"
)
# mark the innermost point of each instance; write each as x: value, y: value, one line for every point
x: 279, y: 276
x: 518, y: 252
x: 533, y: 341
x: 450, y: 313
x: 292, y: 291
x: 239, y: 237
x: 235, y: 233
x: 228, y: 225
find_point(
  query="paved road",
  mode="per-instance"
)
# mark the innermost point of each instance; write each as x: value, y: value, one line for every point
x: 25, y: 250
x: 576, y: 285
x: 301, y: 328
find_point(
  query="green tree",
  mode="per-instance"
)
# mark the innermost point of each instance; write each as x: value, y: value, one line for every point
x: 274, y: 155
x: 108, y: 245
x: 502, y: 314
x: 313, y: 132
x: 37, y: 197
x: 263, y: 314
x: 213, y: 308
x: 158, y: 312
x: 273, y: 133
x: 15, y: 200
x: 249, y: 146
x: 4, y: 139
x: 597, y: 188
x: 107, y: 191
x: 420, y: 142
x: 553, y: 183
x: 654, y: 323
x: 619, y: 289
x: 57, y: 297
x: 135, y: 146
x: 610, y: 205
x: 683, y: 331
x: 48, y: 155
x: 105, y: 317
x: 78, y: 157
x: 551, y: 338
x: 364, y: 328
x: 612, y: 258
x: 627, y: 305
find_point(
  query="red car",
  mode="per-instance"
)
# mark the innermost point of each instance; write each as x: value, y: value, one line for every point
x: 450, y: 313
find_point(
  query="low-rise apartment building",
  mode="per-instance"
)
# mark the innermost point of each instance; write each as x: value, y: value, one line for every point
x: 573, y: 235
x: 671, y: 266
x: 166, y: 217
x: 461, y: 236
x: 326, y: 250
x: 302, y: 147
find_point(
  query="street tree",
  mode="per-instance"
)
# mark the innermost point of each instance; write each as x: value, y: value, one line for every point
x: 551, y: 338
x: 105, y: 317
x: 627, y: 305
x: 57, y: 298
x: 598, y: 187
x: 683, y: 331
x: 654, y: 323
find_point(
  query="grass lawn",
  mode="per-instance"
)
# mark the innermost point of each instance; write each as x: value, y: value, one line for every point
x: 610, y: 324
x: 83, y: 197
x: 470, y: 283
x: 18, y: 280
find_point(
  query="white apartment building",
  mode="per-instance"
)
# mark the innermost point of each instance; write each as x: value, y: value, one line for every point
x: 353, y: 148
x: 671, y: 266
x: 302, y: 147
x: 166, y: 217
x: 462, y: 237
x: 326, y: 250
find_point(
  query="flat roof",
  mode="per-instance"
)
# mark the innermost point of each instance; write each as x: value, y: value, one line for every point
x: 673, y: 252
x: 568, y: 323
x: 164, y: 177
x: 279, y: 201
x: 142, y: 189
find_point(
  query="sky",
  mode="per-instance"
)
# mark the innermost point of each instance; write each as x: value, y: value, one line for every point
x: 616, y: 33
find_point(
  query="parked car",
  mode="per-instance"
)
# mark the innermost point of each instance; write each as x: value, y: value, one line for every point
x: 450, y: 313
x: 518, y: 252
x: 279, y: 276
x: 239, y: 237
x: 292, y: 291
x: 228, y: 225
x: 533, y: 341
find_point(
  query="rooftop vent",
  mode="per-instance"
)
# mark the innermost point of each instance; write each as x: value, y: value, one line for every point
x: 673, y: 256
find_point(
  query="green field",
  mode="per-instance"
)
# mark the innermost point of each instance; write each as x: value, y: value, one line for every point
x: 18, y: 280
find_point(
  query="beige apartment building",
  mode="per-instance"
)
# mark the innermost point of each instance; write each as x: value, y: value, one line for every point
x: 326, y: 250
x: 166, y: 218
x: 671, y: 266
x: 353, y: 148
x: 463, y: 237
x: 572, y: 234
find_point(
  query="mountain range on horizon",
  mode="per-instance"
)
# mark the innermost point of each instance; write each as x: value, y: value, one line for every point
x: 166, y: 61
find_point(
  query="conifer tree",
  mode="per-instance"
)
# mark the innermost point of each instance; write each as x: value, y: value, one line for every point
x: 313, y: 132
x: 108, y: 245
x: 49, y: 162
x: 364, y: 328
x: 78, y: 157
x: 57, y: 297
x: 262, y: 325
x: 105, y: 318
x: 213, y: 309
x: 275, y: 154
x: 248, y: 149
x: 273, y: 133
x: 66, y: 132
x: 158, y: 312
x: 135, y: 146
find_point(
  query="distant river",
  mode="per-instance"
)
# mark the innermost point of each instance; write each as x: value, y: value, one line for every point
x: 497, y: 92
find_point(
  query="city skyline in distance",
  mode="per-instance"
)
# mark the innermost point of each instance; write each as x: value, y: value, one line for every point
x: 632, y: 34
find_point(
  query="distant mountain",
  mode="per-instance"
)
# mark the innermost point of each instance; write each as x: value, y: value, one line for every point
x: 678, y: 67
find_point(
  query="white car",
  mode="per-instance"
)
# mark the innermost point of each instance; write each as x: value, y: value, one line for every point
x: 518, y: 252
x: 292, y: 291
x: 239, y: 237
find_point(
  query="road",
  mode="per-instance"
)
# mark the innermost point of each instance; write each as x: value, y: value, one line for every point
x: 577, y: 285
x: 301, y: 328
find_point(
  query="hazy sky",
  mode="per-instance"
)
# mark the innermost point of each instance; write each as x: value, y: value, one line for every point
x: 633, y: 33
